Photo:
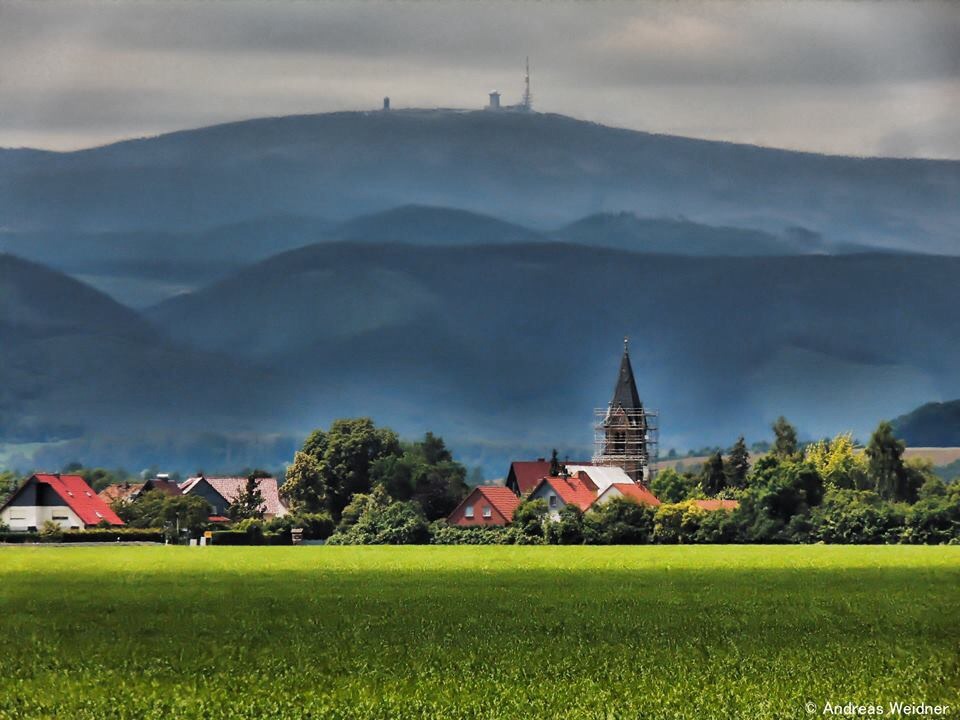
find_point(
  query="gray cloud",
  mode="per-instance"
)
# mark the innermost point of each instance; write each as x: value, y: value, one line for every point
x: 740, y: 71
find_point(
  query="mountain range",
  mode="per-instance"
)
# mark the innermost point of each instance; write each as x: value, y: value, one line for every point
x: 207, y: 297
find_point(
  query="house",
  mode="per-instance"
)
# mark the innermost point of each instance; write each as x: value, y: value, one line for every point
x: 559, y: 491
x: 221, y: 492
x: 485, y: 505
x: 525, y: 475
x: 65, y: 499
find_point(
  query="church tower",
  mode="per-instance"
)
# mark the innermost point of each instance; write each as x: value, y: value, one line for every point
x: 625, y: 432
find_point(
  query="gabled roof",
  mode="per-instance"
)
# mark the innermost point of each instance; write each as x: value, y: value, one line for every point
x: 501, y: 498
x: 625, y: 393
x: 76, y: 495
x: 717, y: 504
x: 634, y: 492
x: 529, y: 473
x: 164, y: 485
x: 230, y: 487
x: 603, y: 476
x: 572, y: 490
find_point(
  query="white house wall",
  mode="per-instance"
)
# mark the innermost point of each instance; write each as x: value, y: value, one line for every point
x: 27, y: 516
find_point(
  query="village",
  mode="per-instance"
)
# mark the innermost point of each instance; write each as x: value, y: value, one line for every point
x: 359, y: 484
x: 622, y: 468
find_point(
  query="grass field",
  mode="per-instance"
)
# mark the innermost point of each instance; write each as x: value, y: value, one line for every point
x: 464, y: 632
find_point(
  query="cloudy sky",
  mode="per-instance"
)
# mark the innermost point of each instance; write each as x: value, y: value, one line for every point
x: 859, y: 78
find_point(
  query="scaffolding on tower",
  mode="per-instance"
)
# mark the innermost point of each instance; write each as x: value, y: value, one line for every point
x: 627, y: 438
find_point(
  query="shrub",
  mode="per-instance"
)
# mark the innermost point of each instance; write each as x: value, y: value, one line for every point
x: 315, y: 526
x: 443, y: 534
x: 621, y: 521
x: 677, y: 523
x: 50, y: 531
x: 400, y: 523
x: 568, y: 528
x: 856, y: 516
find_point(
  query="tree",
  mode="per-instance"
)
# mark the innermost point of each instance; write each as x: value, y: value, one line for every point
x: 249, y: 502
x: 334, y: 465
x: 304, y: 488
x: 785, y: 444
x: 156, y: 509
x: 621, y: 521
x: 425, y: 473
x: 713, y: 478
x: 529, y: 518
x: 568, y: 529
x: 738, y: 464
x: 886, y: 469
x: 838, y: 462
x: 670, y: 486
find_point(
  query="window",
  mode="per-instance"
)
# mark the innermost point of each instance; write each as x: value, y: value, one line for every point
x: 468, y: 511
x: 553, y: 501
x: 486, y: 511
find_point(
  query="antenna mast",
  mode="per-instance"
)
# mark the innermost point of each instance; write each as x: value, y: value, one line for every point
x: 527, y: 97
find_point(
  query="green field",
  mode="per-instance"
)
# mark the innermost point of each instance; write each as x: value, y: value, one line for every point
x: 475, y: 632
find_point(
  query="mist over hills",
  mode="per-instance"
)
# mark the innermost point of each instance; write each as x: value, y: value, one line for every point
x: 495, y: 343
x: 74, y: 361
x: 468, y: 273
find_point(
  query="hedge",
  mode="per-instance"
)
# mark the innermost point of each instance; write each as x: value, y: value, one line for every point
x: 241, y: 537
x: 112, y: 534
x: 19, y: 537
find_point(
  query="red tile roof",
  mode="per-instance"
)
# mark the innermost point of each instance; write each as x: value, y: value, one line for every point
x: 80, y: 498
x: 717, y: 504
x: 572, y: 490
x: 529, y: 473
x: 501, y: 498
x: 637, y: 492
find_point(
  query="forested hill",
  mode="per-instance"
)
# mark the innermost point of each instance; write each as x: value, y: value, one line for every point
x: 536, y: 169
x: 932, y: 425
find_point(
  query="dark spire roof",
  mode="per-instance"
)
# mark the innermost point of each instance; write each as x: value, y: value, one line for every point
x: 625, y: 393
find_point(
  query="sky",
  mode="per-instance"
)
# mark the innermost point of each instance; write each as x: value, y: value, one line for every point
x: 860, y: 78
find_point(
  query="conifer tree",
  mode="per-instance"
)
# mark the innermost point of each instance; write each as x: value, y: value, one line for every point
x: 738, y: 464
x: 249, y: 503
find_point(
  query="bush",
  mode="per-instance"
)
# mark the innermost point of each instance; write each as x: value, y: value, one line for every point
x: 568, y: 529
x: 676, y: 523
x: 443, y: 534
x: 315, y: 526
x: 400, y: 523
x: 856, y: 516
x: 619, y: 522
x: 50, y: 531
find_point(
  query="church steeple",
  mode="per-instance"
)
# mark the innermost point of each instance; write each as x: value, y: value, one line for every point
x: 625, y: 393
